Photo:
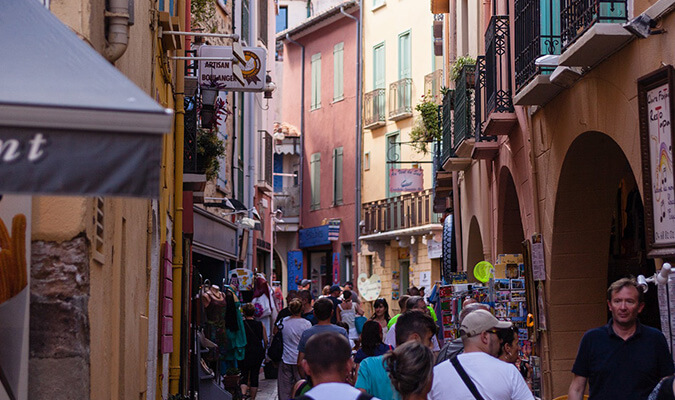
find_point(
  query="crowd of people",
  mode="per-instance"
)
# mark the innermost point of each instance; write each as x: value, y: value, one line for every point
x: 328, y: 355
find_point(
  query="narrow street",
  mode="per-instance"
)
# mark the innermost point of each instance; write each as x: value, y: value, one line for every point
x: 267, y: 389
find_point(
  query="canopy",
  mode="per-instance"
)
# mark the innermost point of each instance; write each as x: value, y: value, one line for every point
x: 70, y: 123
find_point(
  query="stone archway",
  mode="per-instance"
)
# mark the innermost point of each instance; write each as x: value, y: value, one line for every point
x: 593, y: 168
x: 510, y: 234
x: 474, y: 252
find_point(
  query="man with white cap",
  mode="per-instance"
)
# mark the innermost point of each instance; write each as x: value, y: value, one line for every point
x: 478, y: 373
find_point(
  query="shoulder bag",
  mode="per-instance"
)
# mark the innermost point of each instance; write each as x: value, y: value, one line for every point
x: 276, y: 349
x: 465, y: 377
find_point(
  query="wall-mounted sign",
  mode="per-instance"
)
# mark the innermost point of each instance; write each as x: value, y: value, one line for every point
x: 369, y: 288
x: 295, y: 270
x: 218, y: 73
x: 434, y: 249
x: 656, y: 136
x: 315, y: 236
x: 406, y: 180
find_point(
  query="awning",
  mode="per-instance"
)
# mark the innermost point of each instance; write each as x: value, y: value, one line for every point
x: 70, y: 123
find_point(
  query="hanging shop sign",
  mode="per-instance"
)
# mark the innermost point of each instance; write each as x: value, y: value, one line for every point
x: 295, y: 270
x: 656, y: 137
x: 369, y: 288
x: 218, y: 73
x: 334, y: 230
x: 315, y: 236
x: 406, y: 180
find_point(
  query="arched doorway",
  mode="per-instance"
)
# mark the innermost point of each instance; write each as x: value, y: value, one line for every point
x: 583, y: 256
x: 510, y: 227
x: 474, y: 252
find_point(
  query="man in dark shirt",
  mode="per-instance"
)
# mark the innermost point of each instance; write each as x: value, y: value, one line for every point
x: 307, y: 311
x: 335, y: 291
x: 623, y: 359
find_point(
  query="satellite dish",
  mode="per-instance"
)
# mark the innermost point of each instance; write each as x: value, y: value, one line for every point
x: 483, y: 271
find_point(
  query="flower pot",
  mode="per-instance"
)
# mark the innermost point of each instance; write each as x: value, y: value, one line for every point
x: 231, y: 381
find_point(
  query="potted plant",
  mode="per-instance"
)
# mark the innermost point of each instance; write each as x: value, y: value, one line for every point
x: 458, y: 66
x: 209, y: 149
x: 231, y: 378
x: 427, y: 127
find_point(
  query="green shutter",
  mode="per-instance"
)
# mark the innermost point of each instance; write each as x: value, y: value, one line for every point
x: 404, y: 69
x: 316, y: 81
x: 378, y: 66
x: 337, y: 175
x: 315, y: 176
x: 393, y: 152
x: 338, y: 71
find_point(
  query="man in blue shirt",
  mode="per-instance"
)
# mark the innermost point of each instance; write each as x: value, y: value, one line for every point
x: 373, y: 378
x: 623, y: 359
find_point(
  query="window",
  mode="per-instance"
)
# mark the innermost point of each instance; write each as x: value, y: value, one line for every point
x: 337, y: 175
x: 404, y: 69
x: 378, y: 66
x: 315, y: 177
x: 265, y: 166
x: 282, y: 19
x: 378, y: 3
x: 393, y: 153
x: 316, y: 82
x: 366, y: 161
x: 262, y: 21
x: 245, y: 23
x: 369, y: 265
x: 338, y: 72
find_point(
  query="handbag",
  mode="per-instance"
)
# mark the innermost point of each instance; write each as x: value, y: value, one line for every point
x: 276, y: 349
x: 358, y: 322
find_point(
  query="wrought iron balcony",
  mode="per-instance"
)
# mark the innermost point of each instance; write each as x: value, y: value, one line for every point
x: 578, y: 16
x: 537, y: 30
x: 400, y: 103
x: 464, y: 107
x: 405, y: 211
x: 190, y: 162
x: 498, y: 66
x: 446, y: 120
x: 373, y: 109
x: 432, y: 86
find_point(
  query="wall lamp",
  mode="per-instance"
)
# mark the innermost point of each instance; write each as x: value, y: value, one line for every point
x: 269, y: 87
x: 659, y: 278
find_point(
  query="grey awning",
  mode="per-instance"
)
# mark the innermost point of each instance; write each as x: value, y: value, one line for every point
x: 70, y: 123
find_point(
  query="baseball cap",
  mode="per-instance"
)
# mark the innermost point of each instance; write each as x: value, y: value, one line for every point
x: 335, y: 288
x: 305, y: 282
x: 480, y: 321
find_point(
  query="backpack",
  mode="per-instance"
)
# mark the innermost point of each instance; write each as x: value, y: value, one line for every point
x: 276, y: 349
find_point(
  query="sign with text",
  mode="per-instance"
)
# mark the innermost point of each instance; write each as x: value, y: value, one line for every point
x: 369, y: 288
x: 656, y: 135
x: 434, y: 249
x: 315, y: 236
x: 218, y: 73
x: 406, y: 180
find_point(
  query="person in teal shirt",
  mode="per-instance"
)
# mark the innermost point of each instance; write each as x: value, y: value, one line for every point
x: 373, y: 377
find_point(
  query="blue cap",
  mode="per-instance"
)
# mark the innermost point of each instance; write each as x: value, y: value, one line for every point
x: 335, y: 288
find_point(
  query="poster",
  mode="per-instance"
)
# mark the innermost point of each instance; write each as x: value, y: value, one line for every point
x: 295, y: 270
x: 434, y: 249
x: 14, y: 295
x: 661, y: 164
x: 666, y: 296
x: 538, y: 266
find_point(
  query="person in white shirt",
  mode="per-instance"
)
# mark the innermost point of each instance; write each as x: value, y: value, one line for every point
x: 490, y: 377
x: 413, y: 303
x: 293, y: 328
x: 328, y: 361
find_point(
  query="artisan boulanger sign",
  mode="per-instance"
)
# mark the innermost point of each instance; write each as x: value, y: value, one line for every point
x: 656, y: 135
x: 218, y: 73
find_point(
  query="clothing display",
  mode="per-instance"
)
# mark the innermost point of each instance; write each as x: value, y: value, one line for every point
x: 493, y: 378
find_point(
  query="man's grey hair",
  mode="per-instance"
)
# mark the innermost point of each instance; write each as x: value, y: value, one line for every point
x: 470, y: 308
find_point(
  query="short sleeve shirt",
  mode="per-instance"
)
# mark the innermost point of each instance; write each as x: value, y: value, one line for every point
x: 319, y: 329
x: 623, y: 369
x: 373, y: 378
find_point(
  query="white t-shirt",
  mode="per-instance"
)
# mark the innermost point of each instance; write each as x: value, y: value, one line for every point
x: 334, y: 390
x: 293, y: 328
x: 493, y: 378
x: 390, y: 339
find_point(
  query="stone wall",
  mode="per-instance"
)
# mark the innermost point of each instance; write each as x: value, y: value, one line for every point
x: 59, y: 321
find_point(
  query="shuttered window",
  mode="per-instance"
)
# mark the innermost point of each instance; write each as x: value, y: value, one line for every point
x: 316, y: 82
x: 378, y: 66
x: 337, y: 176
x: 315, y: 176
x: 404, y: 58
x: 338, y: 72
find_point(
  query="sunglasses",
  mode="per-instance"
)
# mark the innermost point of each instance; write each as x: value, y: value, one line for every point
x: 495, y: 331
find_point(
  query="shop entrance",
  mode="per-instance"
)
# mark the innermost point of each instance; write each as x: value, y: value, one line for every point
x: 510, y: 228
x: 585, y: 245
x: 321, y: 270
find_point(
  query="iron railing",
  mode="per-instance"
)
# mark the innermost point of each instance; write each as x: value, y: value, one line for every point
x: 400, y: 212
x: 537, y: 33
x: 373, y: 108
x: 400, y: 103
x: 480, y: 115
x: 446, y: 121
x: 498, y: 66
x: 578, y: 16
x: 190, y: 162
x: 432, y: 86
x: 464, y: 106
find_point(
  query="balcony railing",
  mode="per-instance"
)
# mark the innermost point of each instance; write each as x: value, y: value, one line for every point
x: 498, y: 66
x: 537, y: 30
x: 400, y: 104
x: 432, y: 86
x: 373, y: 109
x: 579, y: 15
x: 464, y: 106
x: 405, y: 211
x: 190, y: 162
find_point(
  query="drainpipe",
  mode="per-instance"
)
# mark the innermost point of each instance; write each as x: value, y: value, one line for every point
x: 118, y: 30
x: 177, y: 270
x: 359, y: 87
x: 302, y: 123
x: 250, y: 116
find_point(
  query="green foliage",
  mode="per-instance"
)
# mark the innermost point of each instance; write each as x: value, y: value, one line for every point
x: 232, y: 371
x: 203, y: 14
x: 456, y: 69
x: 427, y: 127
x: 209, y: 149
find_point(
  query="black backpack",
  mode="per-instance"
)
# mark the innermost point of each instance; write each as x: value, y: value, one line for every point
x: 276, y: 349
